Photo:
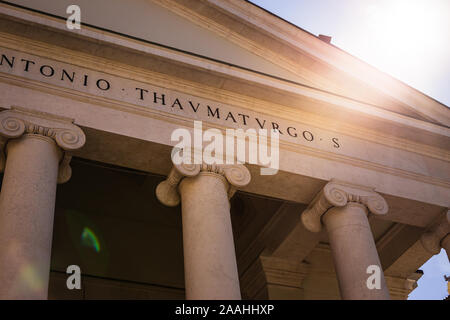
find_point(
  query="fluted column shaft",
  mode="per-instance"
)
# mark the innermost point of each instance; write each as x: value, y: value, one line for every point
x: 209, y: 253
x: 354, y: 250
x: 27, y: 203
x: 34, y: 156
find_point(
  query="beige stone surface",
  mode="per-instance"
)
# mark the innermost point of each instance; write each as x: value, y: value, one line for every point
x: 392, y: 145
x: 436, y: 236
x: 400, y: 288
x: 35, y: 146
x: 208, y: 244
x: 418, y: 177
x: 321, y: 282
x: 297, y: 168
x: 210, y: 260
x: 338, y: 194
x: 27, y: 202
x: 353, y: 250
x: 258, y: 33
x: 274, y: 278
x: 301, y: 42
x: 408, y: 262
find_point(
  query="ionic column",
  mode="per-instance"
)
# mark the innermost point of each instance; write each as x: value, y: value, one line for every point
x: 438, y: 235
x: 34, y: 157
x: 343, y: 209
x: 209, y: 254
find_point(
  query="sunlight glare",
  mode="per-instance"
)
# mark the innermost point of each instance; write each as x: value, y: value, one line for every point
x: 405, y: 33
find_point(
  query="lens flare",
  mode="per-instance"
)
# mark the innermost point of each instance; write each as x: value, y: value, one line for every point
x: 89, y: 239
x: 29, y: 277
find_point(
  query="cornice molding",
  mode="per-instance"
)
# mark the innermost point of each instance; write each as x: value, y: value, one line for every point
x: 283, y: 32
x: 180, y: 121
x: 221, y: 96
x: 235, y: 176
x: 336, y: 58
x: 338, y: 194
x: 242, y: 74
x: 265, y: 108
x: 289, y: 37
x: 272, y: 54
x: 243, y: 42
x: 17, y: 122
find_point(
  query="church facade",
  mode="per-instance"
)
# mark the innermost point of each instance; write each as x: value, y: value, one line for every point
x: 358, y: 200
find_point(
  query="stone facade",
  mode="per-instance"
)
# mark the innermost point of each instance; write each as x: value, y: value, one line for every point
x: 362, y: 190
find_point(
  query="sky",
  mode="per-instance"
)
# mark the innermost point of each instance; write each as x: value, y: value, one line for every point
x: 408, y: 39
x: 431, y: 286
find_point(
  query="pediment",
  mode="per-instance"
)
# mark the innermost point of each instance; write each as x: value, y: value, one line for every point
x: 152, y: 22
x: 237, y: 33
x: 312, y: 61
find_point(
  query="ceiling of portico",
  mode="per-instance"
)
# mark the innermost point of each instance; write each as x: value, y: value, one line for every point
x: 114, y: 228
x: 109, y: 222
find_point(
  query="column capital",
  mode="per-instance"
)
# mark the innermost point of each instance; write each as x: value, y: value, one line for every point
x: 16, y: 122
x: 433, y: 237
x: 338, y: 194
x: 237, y: 176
